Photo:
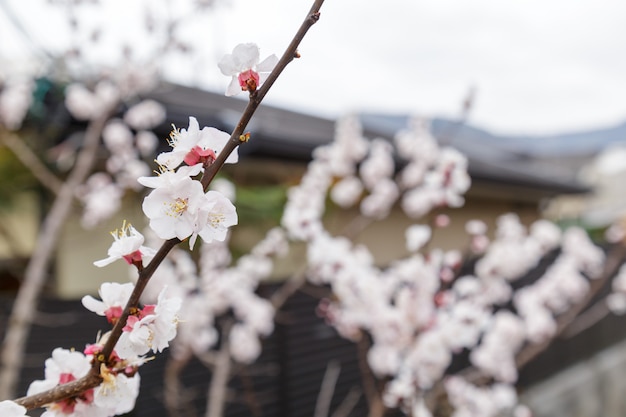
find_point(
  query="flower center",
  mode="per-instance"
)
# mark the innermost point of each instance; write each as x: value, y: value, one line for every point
x: 248, y: 80
x: 198, y: 155
x: 216, y: 219
x: 178, y: 207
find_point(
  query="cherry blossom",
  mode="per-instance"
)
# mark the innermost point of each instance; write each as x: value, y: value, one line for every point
x: 152, y: 330
x: 65, y: 366
x: 127, y: 245
x: 181, y: 209
x: 245, y: 69
x: 15, y: 100
x: 145, y: 115
x: 10, y: 409
x: 118, y: 392
x: 215, y: 218
x: 417, y: 236
x: 84, y: 104
x: 194, y: 146
x: 347, y: 191
x: 114, y: 297
x: 101, y: 198
x: 169, y: 178
x: 173, y: 208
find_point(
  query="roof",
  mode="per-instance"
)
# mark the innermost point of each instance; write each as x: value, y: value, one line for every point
x: 286, y: 134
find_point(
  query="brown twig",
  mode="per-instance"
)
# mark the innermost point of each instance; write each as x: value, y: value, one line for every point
x: 93, y: 379
x: 257, y: 96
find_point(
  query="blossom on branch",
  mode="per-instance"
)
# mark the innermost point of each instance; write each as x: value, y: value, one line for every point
x: 182, y: 209
x: 65, y: 366
x: 114, y: 297
x: 245, y: 69
x: 194, y: 146
x: 128, y: 245
x: 152, y: 329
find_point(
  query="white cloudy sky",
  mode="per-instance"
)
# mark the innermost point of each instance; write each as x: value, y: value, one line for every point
x: 537, y: 66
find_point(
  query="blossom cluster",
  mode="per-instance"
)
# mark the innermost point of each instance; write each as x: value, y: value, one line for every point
x: 215, y: 289
x: 177, y: 207
x: 116, y: 394
x: 419, y: 312
x: 129, y: 141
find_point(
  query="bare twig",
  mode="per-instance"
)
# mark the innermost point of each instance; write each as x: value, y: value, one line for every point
x: 327, y: 389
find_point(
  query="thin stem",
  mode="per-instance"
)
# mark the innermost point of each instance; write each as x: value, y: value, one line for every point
x: 256, y: 97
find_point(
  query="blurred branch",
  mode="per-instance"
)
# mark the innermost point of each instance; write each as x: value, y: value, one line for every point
x: 588, y: 318
x: 327, y: 389
x: 221, y: 375
x: 36, y: 272
x: 176, y: 400
x: 612, y: 263
x: 28, y: 158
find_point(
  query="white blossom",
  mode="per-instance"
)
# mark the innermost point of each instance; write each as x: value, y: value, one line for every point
x: 145, y: 115
x: 192, y: 144
x: 245, y: 69
x: 127, y: 245
x: 417, y: 236
x: 114, y: 297
x: 153, y: 331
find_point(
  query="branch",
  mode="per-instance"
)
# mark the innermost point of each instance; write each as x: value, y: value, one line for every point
x: 220, y: 377
x: 93, y: 379
x: 256, y: 97
x: 28, y: 158
x: 613, y: 261
x: 36, y: 271
x: 327, y: 389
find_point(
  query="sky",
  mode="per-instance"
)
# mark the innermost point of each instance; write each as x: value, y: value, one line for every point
x: 535, y: 66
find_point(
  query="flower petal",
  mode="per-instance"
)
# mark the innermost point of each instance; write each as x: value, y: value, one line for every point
x: 246, y: 55
x: 268, y: 64
x: 233, y: 88
x: 228, y: 66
